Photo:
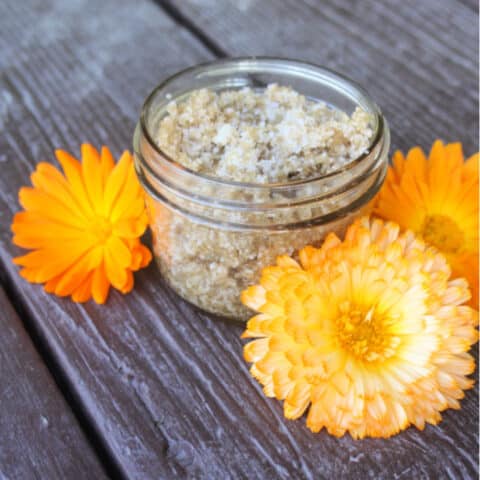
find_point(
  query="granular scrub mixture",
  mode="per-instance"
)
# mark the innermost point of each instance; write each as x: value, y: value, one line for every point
x: 275, y: 135
x: 269, y: 136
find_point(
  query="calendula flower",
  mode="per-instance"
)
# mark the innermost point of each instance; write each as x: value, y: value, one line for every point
x: 369, y: 334
x: 437, y: 198
x: 83, y: 226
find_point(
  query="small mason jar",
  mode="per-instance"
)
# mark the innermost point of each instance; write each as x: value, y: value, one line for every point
x: 212, y: 237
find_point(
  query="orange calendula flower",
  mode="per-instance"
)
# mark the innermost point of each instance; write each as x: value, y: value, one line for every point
x: 437, y: 198
x: 83, y: 226
x: 369, y: 334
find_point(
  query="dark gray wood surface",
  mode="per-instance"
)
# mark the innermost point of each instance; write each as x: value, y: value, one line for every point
x: 417, y: 59
x: 39, y: 436
x: 163, y: 387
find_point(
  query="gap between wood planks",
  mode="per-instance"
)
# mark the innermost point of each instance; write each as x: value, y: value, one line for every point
x: 112, y: 469
x: 171, y: 10
x: 13, y: 296
x: 178, y: 17
x: 105, y: 457
x: 107, y: 460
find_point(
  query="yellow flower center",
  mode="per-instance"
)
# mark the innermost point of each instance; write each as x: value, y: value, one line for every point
x: 101, y: 228
x: 365, y: 335
x: 442, y: 232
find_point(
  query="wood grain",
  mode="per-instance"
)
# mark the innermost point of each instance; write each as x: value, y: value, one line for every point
x: 62, y: 83
x: 164, y: 387
x: 40, y: 437
x: 418, y: 60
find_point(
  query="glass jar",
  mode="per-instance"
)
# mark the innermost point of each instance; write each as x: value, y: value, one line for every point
x: 212, y: 237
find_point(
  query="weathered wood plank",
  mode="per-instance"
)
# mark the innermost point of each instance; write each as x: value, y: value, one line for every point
x: 472, y: 4
x: 418, y: 60
x: 164, y: 387
x: 62, y: 83
x: 40, y: 437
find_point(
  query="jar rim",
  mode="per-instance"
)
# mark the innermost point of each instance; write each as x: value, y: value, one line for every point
x: 251, y: 60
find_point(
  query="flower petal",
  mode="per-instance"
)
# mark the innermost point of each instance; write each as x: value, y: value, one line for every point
x: 119, y: 252
x: 77, y: 274
x: 73, y: 173
x: 378, y: 340
x: 107, y: 163
x: 130, y: 190
x: 116, y: 181
x: 91, y: 177
x: 116, y: 274
x: 35, y: 200
x: 84, y: 292
x: 100, y: 285
x: 83, y: 227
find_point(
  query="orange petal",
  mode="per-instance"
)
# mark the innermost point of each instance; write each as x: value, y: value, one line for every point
x: 417, y: 162
x: 141, y: 257
x: 65, y: 256
x: 146, y: 256
x: 136, y: 259
x: 56, y: 186
x: 119, y: 252
x: 107, y: 163
x: 116, y: 181
x: 32, y: 230
x: 130, y: 191
x: 29, y: 274
x: 135, y: 209
x: 52, y: 173
x: 92, y: 177
x: 77, y: 273
x: 454, y: 154
x: 115, y: 273
x: 51, y: 285
x: 471, y: 166
x: 398, y: 161
x: 100, y: 285
x: 130, y: 227
x: 73, y: 173
x: 129, y: 284
x: 35, y: 200
x: 84, y: 292
x: 439, y: 177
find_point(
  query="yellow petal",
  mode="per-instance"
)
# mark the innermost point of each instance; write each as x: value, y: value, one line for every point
x: 73, y: 173
x: 131, y: 190
x: 297, y: 400
x: 116, y: 181
x: 119, y: 252
x: 129, y: 228
x: 116, y: 274
x: 107, y: 163
x: 254, y: 297
x: 371, y: 331
x: 92, y: 176
x: 255, y: 350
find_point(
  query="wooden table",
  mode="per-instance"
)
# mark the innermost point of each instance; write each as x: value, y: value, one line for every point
x: 146, y: 387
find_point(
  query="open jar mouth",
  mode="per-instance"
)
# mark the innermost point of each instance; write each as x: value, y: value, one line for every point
x: 212, y: 236
x: 258, y: 65
x: 174, y: 184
